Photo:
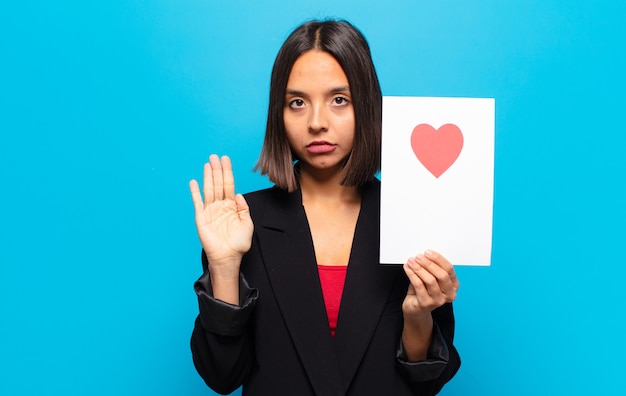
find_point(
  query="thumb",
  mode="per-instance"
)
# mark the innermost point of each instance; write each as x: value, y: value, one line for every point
x: 242, y: 207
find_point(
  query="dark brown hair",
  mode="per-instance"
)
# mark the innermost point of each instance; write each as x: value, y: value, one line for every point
x: 348, y: 46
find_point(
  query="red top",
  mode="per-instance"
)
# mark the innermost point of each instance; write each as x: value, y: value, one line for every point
x: 332, y: 278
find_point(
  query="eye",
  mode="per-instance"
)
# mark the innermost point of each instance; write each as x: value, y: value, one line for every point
x: 340, y: 101
x: 296, y: 103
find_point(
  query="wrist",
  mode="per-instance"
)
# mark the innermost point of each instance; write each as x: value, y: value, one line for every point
x: 225, y: 283
x: 418, y: 321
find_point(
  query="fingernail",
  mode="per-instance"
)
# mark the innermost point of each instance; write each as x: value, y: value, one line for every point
x: 419, y: 258
x: 428, y: 252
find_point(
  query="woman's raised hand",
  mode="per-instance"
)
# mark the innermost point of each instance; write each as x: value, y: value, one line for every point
x: 223, y: 219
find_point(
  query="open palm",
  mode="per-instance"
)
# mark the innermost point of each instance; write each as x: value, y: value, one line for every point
x: 223, y: 218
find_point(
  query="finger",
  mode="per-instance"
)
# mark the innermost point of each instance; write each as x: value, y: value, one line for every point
x: 229, y: 180
x: 218, y: 180
x: 445, y: 265
x: 207, y: 184
x: 412, y: 269
x: 431, y: 283
x: 439, y: 260
x: 196, y: 198
x: 443, y: 279
x: 416, y: 290
x: 411, y: 289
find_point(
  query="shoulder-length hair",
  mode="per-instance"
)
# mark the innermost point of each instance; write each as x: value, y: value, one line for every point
x: 349, y: 47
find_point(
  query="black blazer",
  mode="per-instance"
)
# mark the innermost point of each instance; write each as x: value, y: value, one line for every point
x: 278, y: 341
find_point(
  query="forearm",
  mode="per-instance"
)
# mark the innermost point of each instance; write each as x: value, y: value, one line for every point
x: 221, y: 348
x: 428, y: 376
x: 417, y: 337
x: 225, y: 284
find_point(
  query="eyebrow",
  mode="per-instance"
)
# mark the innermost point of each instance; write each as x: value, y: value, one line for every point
x: 330, y: 91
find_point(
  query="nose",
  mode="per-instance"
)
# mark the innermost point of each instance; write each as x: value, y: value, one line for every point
x: 318, y: 120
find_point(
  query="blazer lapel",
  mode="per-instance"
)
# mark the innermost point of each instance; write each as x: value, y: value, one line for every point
x: 367, y: 288
x: 287, y: 249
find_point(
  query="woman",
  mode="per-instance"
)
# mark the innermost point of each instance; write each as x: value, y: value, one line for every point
x: 293, y: 300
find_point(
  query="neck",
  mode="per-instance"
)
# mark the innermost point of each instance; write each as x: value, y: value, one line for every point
x: 319, y: 188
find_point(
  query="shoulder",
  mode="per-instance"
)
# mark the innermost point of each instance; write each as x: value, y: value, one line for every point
x: 372, y: 185
x: 272, y: 198
x: 262, y: 197
x: 370, y: 193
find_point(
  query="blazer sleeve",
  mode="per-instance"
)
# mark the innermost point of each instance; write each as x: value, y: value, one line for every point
x: 427, y: 377
x: 220, y: 343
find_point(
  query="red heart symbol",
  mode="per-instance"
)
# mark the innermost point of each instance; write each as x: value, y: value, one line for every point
x: 437, y: 149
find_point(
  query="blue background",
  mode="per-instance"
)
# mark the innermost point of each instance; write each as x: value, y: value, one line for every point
x: 107, y: 109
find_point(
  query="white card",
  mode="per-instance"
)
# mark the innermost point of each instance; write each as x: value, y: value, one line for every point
x: 437, y: 178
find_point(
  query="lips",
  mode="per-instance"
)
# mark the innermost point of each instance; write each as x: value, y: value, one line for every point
x: 320, y: 147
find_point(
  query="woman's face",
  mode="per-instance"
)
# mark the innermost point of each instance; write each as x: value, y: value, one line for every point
x: 318, y: 113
